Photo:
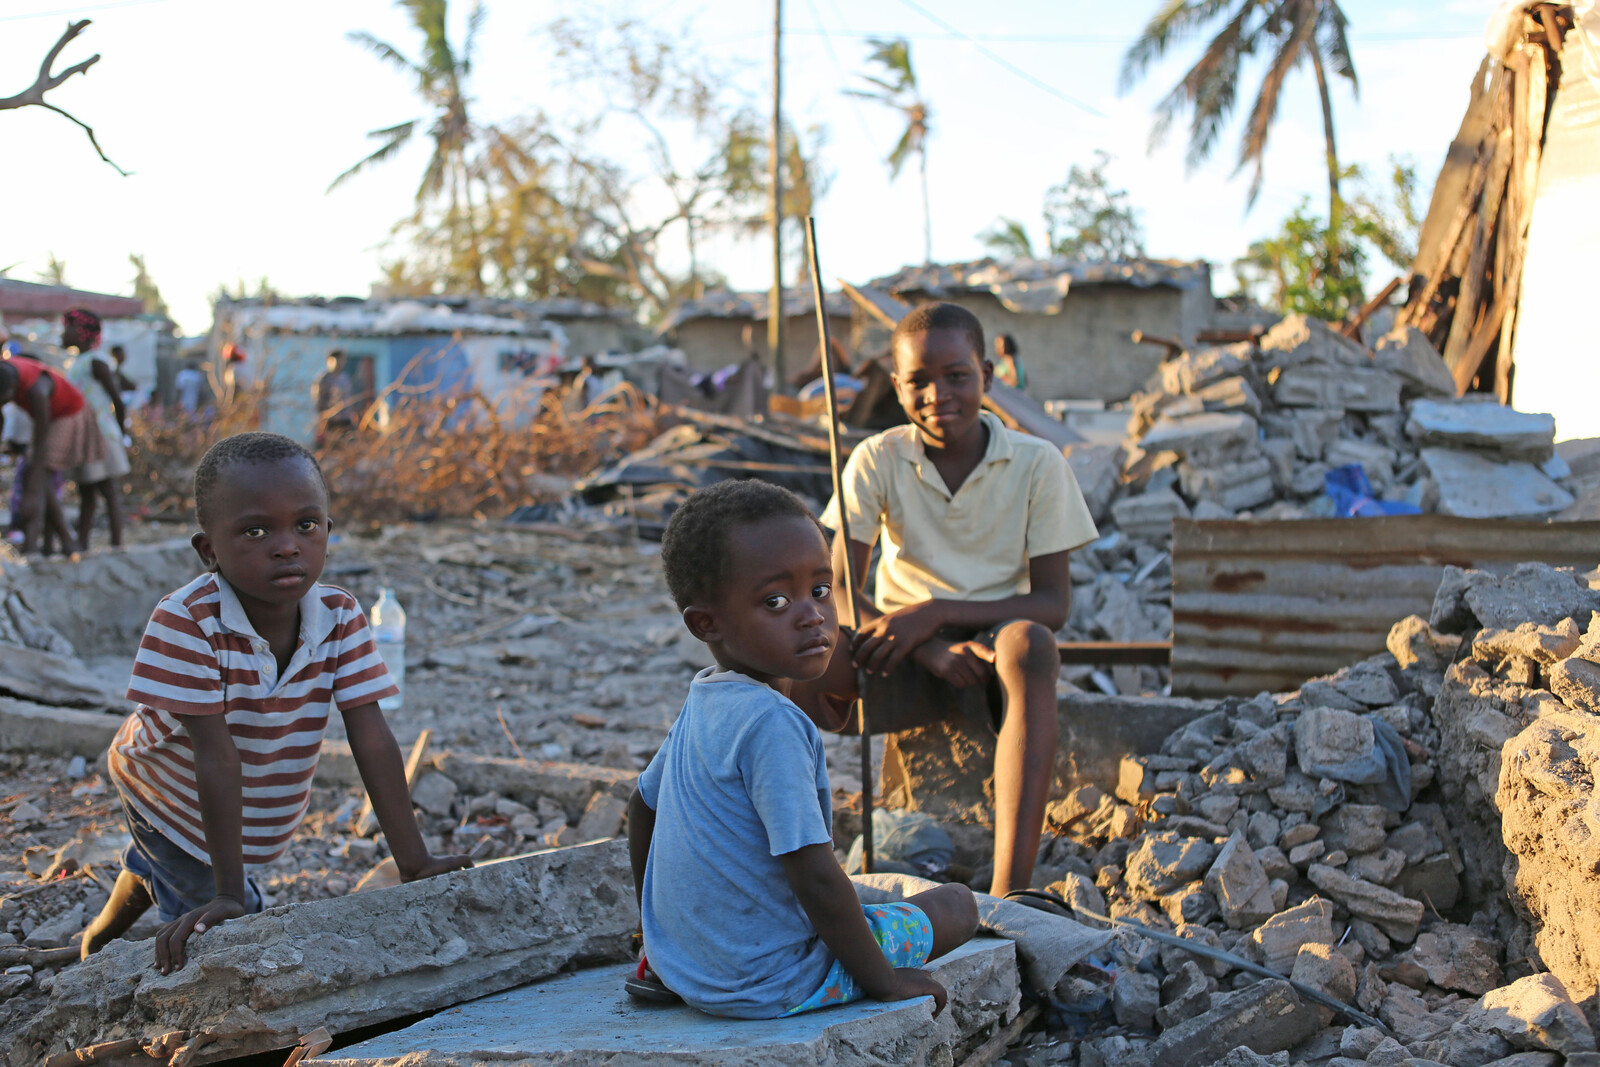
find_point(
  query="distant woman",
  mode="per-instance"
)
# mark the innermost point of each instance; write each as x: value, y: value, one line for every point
x: 65, y: 438
x: 97, y: 380
x: 1007, y: 364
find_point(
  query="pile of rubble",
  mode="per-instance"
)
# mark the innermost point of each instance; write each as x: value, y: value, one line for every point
x: 1253, y: 430
x: 1344, y: 835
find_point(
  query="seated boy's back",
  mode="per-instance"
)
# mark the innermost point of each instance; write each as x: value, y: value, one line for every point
x: 740, y: 781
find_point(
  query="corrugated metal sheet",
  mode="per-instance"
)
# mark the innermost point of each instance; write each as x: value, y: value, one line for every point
x: 1266, y: 605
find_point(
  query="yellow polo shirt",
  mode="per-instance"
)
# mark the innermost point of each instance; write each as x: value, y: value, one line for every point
x: 1021, y: 501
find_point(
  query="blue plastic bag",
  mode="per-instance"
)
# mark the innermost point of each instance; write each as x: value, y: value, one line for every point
x: 1352, y: 495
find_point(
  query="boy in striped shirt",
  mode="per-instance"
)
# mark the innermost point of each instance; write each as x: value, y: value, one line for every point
x: 235, y: 678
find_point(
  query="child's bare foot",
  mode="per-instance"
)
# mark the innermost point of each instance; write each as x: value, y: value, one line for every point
x: 129, y: 900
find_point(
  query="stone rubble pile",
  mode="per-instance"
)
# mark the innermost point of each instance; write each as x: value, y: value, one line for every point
x: 1250, y: 430
x: 1340, y: 835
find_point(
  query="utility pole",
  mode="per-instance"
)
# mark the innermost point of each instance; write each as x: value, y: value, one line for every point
x: 780, y: 379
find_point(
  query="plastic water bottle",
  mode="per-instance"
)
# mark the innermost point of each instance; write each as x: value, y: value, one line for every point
x: 389, y: 633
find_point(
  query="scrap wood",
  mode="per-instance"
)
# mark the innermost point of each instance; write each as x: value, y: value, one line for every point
x: 312, y: 1044
x: 12, y: 955
x: 159, y: 1047
x: 367, y: 822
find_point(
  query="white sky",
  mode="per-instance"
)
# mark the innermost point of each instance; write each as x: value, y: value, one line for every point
x: 234, y: 117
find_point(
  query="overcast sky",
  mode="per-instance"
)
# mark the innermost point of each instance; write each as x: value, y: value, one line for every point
x: 233, y: 118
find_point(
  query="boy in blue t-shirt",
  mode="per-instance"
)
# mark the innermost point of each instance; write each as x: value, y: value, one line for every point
x: 746, y: 911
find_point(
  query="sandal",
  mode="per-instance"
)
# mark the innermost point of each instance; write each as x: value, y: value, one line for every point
x: 645, y: 986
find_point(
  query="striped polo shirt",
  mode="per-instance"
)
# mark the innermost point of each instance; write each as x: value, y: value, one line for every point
x: 201, y: 656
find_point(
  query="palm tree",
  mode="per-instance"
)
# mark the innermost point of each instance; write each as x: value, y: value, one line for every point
x: 898, y: 89
x: 1298, y: 31
x: 440, y: 77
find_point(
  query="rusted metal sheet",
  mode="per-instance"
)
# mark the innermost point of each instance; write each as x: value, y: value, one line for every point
x: 1266, y: 605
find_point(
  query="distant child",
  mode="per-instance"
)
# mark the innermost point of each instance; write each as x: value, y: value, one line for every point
x: 976, y: 523
x: 64, y: 438
x: 91, y: 372
x: 235, y: 678
x: 746, y: 910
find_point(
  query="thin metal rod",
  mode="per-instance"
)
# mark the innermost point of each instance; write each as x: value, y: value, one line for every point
x: 836, y: 463
x: 780, y: 371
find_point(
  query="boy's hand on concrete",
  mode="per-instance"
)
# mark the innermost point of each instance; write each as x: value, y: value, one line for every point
x: 437, y: 865
x: 881, y: 644
x: 961, y: 663
x: 912, y: 982
x: 170, y: 939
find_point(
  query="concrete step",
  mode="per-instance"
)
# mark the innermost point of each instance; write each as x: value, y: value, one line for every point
x: 585, y: 1018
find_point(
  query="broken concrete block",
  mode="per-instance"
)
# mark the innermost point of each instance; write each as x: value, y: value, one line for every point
x: 1406, y: 353
x: 54, y: 731
x: 1230, y: 394
x: 1311, y: 429
x: 1195, y: 370
x: 1150, y: 514
x: 602, y: 818
x: 1301, y: 339
x: 1474, y: 424
x: 1323, y: 968
x: 1577, y: 683
x: 1266, y: 1017
x: 1098, y: 471
x: 1334, y: 743
x: 1164, y: 861
x: 1352, y: 388
x: 1135, y: 998
x: 1459, y: 958
x: 1542, y: 644
x: 1233, y: 486
x: 1419, y: 648
x: 1461, y: 1045
x: 1474, y: 487
x: 1136, y: 783
x: 1354, y: 828
x: 1187, y: 993
x: 1395, y: 915
x: 1367, y: 683
x: 1534, y: 1013
x: 1239, y: 885
x: 435, y: 794
x: 585, y: 1019
x: 1281, y: 937
x: 259, y: 982
x: 1083, y: 897
x: 1379, y: 868
x: 1374, y: 459
x: 101, y: 601
x: 1207, y: 432
x: 1533, y: 592
x: 34, y: 675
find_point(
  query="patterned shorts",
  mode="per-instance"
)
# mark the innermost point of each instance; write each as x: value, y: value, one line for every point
x: 906, y: 937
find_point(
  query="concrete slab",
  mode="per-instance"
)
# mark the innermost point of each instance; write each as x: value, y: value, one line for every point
x: 102, y: 601
x: 586, y: 1018
x: 572, y: 785
x: 258, y: 983
x: 29, y: 727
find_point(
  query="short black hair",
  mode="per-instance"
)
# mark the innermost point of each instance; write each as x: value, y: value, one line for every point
x: 941, y: 316
x: 239, y: 450
x: 694, y: 548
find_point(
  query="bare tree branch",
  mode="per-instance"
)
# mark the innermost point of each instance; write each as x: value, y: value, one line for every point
x: 46, y: 81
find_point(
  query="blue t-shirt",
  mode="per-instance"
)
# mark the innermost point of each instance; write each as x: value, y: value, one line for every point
x: 740, y: 781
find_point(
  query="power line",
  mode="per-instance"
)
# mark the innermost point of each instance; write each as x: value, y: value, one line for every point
x: 1106, y: 38
x: 992, y: 54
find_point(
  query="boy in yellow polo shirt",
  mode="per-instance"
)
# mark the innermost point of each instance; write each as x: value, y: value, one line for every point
x: 976, y: 523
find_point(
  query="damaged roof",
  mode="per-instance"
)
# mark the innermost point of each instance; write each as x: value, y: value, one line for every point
x: 18, y: 298
x: 1039, y: 286
x: 353, y: 315
x: 728, y: 304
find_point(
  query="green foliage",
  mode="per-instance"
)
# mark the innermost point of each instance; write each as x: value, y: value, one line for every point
x: 1084, y: 218
x: 55, y: 271
x: 1306, y: 268
x: 145, y: 288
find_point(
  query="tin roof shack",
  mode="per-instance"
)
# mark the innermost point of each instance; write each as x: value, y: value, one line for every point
x: 426, y: 348
x: 710, y: 331
x: 31, y: 313
x: 1072, y: 320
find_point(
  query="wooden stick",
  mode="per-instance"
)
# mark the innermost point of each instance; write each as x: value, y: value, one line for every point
x: 996, y: 1046
x: 1352, y: 329
x: 836, y: 462
x: 367, y: 821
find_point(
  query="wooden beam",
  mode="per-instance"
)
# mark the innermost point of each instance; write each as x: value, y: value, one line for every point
x: 1115, y: 653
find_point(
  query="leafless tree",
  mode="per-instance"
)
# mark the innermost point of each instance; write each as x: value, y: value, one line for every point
x: 46, y: 81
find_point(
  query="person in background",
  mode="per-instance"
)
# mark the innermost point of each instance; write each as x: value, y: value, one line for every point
x: 65, y: 438
x: 1007, y: 364
x: 93, y: 376
x: 333, y: 394
x: 189, y: 382
x: 18, y: 436
x: 127, y: 388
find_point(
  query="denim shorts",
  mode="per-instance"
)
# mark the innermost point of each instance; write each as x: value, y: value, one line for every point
x: 176, y: 881
x: 903, y: 932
